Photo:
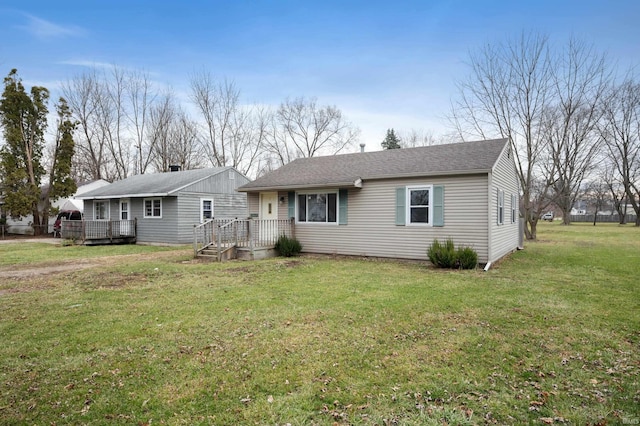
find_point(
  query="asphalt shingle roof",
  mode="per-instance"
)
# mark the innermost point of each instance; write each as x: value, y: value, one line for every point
x: 345, y: 169
x: 153, y: 184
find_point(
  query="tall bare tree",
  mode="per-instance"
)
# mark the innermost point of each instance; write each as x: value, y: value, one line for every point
x: 620, y: 133
x: 304, y: 129
x: 141, y: 96
x: 82, y: 94
x: 505, y: 96
x: 580, y: 80
x: 173, y: 136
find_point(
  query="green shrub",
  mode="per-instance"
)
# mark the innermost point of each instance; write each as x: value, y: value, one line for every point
x: 445, y: 255
x: 467, y: 257
x: 288, y: 247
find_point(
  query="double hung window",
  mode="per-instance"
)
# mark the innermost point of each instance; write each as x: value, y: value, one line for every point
x: 153, y: 207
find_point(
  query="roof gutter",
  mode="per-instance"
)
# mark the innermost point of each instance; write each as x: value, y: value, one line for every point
x: 350, y: 184
x: 111, y: 197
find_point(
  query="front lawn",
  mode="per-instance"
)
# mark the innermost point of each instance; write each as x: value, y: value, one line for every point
x: 549, y: 335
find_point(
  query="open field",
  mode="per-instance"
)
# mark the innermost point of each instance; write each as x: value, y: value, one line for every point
x: 550, y: 335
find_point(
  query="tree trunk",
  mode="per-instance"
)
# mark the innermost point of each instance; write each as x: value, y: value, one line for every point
x: 531, y: 228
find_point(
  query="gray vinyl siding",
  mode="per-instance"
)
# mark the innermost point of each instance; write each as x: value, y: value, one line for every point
x: 218, y: 183
x: 253, y: 204
x: 114, y: 209
x: 157, y: 230
x: 371, y: 228
x: 503, y: 238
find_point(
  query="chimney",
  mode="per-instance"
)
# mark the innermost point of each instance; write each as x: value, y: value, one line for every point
x: 362, y: 147
x: 174, y: 168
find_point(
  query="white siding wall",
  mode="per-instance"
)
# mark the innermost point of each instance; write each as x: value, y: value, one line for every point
x: 503, y: 238
x: 371, y: 228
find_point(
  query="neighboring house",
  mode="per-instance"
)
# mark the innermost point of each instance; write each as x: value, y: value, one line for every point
x: 23, y: 225
x: 73, y: 203
x: 167, y: 205
x: 394, y: 203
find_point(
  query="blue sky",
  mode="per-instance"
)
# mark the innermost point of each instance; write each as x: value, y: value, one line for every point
x: 385, y: 64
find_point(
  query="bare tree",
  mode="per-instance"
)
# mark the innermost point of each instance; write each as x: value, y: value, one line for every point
x: 173, y: 136
x: 304, y: 129
x: 418, y: 137
x: 505, y: 96
x: 141, y: 96
x: 621, y: 135
x: 232, y: 131
x: 112, y: 121
x: 205, y: 94
x: 91, y: 159
x: 580, y: 81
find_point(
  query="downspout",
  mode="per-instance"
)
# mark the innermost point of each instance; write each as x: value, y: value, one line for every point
x: 489, y: 216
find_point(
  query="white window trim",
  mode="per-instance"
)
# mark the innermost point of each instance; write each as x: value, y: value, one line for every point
x: 320, y: 191
x: 408, y: 205
x: 514, y: 211
x: 128, y: 201
x: 144, y: 208
x: 202, y: 200
x: 107, y: 209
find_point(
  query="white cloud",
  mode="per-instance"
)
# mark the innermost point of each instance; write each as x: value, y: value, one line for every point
x: 44, y: 29
x: 87, y: 63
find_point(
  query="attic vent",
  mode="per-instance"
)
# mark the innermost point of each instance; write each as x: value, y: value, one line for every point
x: 232, y: 175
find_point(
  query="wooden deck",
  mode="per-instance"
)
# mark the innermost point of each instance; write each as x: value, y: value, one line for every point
x: 96, y: 232
x: 249, y: 239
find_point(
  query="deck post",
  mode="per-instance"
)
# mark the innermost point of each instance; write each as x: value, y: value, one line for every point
x: 195, y: 241
x: 292, y: 227
x: 219, y: 245
x: 250, y: 236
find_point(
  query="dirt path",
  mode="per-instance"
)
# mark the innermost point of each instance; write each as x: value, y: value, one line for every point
x: 26, y: 271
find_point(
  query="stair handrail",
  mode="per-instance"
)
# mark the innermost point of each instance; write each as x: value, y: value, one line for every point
x: 200, y: 229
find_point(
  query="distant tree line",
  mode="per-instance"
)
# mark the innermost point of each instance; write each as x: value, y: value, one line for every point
x: 572, y: 122
x: 127, y: 125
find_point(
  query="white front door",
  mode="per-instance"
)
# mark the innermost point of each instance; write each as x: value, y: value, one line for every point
x: 125, y: 225
x: 268, y: 216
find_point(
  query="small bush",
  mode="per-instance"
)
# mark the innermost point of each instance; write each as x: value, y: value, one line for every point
x: 288, y: 247
x: 467, y: 257
x: 445, y: 255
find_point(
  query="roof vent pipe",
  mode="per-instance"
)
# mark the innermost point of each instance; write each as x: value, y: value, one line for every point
x: 362, y: 147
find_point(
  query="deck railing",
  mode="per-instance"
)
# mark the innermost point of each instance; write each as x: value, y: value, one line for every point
x: 97, y: 229
x: 251, y: 233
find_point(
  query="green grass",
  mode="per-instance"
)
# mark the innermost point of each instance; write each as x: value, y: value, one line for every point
x: 41, y: 253
x: 552, y: 332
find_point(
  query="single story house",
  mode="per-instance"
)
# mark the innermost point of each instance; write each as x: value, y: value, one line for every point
x: 394, y: 203
x: 166, y: 206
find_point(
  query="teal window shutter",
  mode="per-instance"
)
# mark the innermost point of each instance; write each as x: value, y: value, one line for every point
x: 342, y: 206
x: 291, y: 203
x: 438, y: 205
x: 401, y: 195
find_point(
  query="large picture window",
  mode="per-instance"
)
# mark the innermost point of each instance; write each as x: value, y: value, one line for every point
x: 419, y: 205
x: 101, y: 210
x: 319, y: 208
x: 153, y: 207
